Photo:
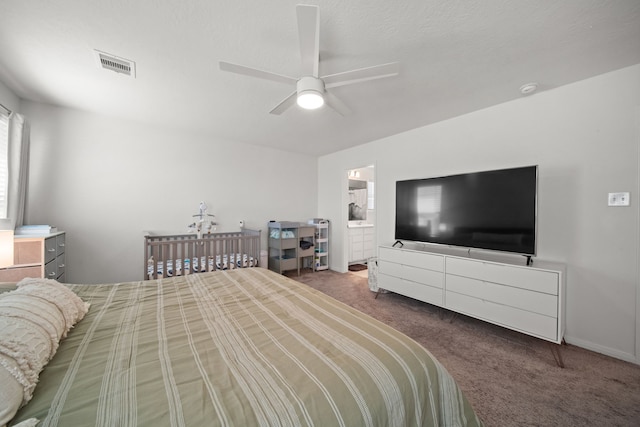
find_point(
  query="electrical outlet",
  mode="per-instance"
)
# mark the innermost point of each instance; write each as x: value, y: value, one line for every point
x: 619, y: 199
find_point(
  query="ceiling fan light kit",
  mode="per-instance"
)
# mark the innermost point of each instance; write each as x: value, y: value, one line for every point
x: 311, y: 89
x: 310, y: 100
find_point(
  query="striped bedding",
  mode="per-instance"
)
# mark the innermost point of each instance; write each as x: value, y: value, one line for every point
x: 244, y: 347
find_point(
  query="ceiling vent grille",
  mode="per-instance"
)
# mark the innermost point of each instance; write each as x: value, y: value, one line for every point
x: 115, y: 63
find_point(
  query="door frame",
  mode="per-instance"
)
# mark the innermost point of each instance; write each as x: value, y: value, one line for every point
x: 344, y: 210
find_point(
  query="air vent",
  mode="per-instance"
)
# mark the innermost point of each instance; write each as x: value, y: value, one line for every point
x: 115, y: 63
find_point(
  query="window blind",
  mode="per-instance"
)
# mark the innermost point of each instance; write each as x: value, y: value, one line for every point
x: 4, y: 163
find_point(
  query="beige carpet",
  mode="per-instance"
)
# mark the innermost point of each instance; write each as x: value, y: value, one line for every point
x: 510, y: 379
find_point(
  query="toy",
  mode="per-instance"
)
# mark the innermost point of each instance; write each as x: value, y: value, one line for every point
x: 203, y: 224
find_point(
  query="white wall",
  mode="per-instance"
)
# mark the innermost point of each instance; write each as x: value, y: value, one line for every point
x: 585, y: 138
x: 105, y: 180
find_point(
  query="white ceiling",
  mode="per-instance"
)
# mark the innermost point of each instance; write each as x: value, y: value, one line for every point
x: 455, y: 56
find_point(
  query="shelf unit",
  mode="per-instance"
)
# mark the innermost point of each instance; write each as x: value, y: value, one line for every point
x: 321, y: 259
x: 306, y: 237
x: 286, y: 242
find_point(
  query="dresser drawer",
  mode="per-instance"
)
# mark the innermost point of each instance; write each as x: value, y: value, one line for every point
x: 520, y: 277
x: 19, y: 273
x: 50, y: 249
x: 414, y: 274
x: 536, y: 302
x: 60, y: 261
x: 513, y: 318
x: 306, y: 252
x: 51, y: 270
x: 285, y: 264
x: 286, y: 243
x: 27, y: 251
x: 60, y: 243
x: 419, y: 291
x: 412, y: 258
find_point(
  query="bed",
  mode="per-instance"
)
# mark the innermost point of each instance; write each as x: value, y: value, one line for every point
x: 242, y: 347
x: 182, y: 254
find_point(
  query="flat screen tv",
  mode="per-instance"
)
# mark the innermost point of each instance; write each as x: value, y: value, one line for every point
x: 492, y: 210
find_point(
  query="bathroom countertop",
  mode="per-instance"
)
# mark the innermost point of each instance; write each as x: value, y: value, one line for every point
x: 363, y: 225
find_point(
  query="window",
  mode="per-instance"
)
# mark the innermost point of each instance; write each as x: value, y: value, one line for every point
x: 4, y: 163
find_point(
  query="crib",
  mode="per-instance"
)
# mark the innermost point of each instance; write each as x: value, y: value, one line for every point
x: 181, y: 254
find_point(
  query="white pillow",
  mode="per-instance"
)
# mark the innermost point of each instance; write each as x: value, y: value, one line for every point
x: 33, y: 320
x: 10, y: 396
x: 71, y: 305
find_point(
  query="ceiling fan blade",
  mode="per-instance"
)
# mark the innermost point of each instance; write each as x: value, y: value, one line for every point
x: 334, y: 102
x: 309, y: 35
x: 254, y: 72
x: 285, y: 104
x: 361, y: 75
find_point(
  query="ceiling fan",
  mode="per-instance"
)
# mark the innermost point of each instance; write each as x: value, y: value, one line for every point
x: 311, y: 89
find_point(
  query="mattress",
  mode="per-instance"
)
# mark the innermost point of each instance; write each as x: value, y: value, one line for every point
x: 244, y: 347
x: 196, y: 265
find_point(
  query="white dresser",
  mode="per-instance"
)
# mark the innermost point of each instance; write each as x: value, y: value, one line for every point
x: 523, y: 298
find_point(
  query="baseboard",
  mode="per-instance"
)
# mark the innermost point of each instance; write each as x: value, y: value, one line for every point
x: 607, y: 351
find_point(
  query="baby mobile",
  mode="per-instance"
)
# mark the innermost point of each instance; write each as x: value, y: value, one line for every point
x: 205, y: 222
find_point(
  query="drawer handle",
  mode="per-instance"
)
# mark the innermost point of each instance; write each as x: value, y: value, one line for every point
x: 52, y: 274
x: 61, y: 245
x: 51, y: 249
x: 61, y: 266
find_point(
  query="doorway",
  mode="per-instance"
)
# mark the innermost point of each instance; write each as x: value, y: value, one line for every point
x: 360, y: 217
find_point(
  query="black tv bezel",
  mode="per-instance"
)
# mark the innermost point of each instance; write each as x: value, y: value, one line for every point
x: 470, y: 247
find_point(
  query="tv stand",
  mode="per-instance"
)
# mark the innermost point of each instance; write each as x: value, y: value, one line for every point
x: 398, y: 242
x: 529, y: 260
x: 526, y: 299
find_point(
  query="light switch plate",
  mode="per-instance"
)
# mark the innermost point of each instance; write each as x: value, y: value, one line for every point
x: 619, y: 199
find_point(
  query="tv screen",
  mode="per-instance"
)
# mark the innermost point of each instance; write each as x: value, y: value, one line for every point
x: 493, y: 210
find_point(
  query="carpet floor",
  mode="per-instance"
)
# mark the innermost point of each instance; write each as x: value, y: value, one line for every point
x: 511, y: 379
